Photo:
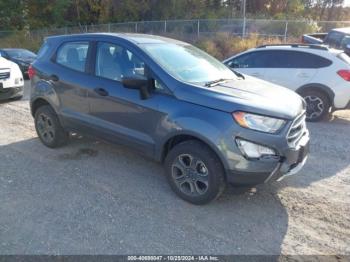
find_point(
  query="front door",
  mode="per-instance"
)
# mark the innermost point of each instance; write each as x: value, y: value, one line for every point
x: 118, y: 112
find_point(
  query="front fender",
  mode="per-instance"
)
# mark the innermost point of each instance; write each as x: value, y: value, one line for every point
x: 200, y: 129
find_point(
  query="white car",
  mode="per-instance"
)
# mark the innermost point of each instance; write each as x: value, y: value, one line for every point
x: 11, y: 80
x: 319, y: 74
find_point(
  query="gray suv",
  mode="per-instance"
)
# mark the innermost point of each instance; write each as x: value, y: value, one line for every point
x: 172, y: 102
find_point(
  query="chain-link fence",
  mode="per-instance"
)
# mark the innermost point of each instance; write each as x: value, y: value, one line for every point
x: 191, y: 30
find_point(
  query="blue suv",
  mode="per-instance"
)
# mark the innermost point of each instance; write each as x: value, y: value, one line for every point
x: 173, y: 102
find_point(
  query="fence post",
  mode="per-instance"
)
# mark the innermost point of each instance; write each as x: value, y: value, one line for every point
x: 136, y: 27
x: 164, y: 26
x: 244, y: 18
x: 286, y: 32
x: 198, y: 28
x: 109, y: 27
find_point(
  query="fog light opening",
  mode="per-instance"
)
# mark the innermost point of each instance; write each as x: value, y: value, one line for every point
x: 252, y: 150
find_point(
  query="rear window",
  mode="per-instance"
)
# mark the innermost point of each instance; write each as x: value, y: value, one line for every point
x: 344, y: 57
x: 73, y: 55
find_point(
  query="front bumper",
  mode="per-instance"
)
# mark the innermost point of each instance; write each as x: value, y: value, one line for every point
x: 272, y: 168
x: 8, y: 93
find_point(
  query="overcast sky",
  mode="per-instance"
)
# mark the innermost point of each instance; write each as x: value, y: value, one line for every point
x: 347, y: 2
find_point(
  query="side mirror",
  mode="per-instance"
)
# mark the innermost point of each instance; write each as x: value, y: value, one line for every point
x: 141, y: 83
x: 234, y: 64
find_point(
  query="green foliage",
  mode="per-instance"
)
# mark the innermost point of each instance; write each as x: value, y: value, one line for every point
x: 36, y: 14
x: 20, y: 39
x: 222, y: 45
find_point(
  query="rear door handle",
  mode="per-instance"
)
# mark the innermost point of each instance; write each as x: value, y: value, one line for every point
x: 101, y: 91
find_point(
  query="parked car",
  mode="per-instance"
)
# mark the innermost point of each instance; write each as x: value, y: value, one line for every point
x: 319, y: 74
x: 11, y: 80
x: 338, y: 38
x: 22, y: 57
x: 173, y: 103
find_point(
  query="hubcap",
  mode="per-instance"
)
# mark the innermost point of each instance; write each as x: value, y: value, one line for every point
x: 314, y: 107
x: 45, y: 128
x: 190, y: 175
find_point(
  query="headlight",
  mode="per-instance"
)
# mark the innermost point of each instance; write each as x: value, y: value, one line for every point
x: 258, y: 122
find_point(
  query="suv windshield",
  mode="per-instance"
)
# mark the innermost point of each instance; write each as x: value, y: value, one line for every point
x: 188, y: 63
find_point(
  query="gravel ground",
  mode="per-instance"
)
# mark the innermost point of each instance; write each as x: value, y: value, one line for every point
x: 90, y: 197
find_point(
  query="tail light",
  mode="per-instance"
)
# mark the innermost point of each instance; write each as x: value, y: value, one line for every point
x: 345, y: 74
x: 31, y: 72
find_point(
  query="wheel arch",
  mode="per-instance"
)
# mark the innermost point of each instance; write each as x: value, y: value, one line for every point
x: 38, y: 102
x: 176, y: 138
x: 318, y: 87
x: 43, y: 93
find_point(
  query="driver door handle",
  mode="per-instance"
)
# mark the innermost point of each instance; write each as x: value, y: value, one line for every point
x: 101, y: 91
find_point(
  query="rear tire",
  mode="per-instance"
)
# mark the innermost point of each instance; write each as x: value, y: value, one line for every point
x: 194, y: 172
x: 48, y: 127
x: 318, y: 105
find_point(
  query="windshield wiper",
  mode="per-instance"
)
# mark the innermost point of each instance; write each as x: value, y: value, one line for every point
x: 238, y: 74
x: 216, y: 82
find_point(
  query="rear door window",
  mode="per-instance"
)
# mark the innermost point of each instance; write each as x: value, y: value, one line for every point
x: 73, y: 55
x: 296, y: 59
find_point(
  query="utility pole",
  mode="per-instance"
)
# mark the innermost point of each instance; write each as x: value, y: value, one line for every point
x: 244, y: 18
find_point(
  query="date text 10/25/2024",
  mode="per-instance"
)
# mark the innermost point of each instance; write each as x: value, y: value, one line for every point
x: 172, y: 258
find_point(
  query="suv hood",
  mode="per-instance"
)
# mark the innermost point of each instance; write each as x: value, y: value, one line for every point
x: 249, y: 94
x: 23, y: 60
x: 4, y: 63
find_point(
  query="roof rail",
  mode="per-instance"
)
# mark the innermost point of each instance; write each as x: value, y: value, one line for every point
x: 312, y: 46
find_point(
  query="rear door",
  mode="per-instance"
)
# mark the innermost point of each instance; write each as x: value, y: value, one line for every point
x: 252, y: 63
x: 68, y: 75
x: 293, y: 69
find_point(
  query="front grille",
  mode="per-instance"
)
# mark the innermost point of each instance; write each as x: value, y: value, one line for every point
x: 4, y: 74
x: 297, y: 130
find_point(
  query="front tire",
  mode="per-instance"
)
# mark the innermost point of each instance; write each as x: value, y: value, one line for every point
x: 48, y: 127
x: 317, y: 105
x: 194, y: 172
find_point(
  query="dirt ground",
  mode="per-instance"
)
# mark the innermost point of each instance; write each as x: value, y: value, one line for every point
x: 94, y: 198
